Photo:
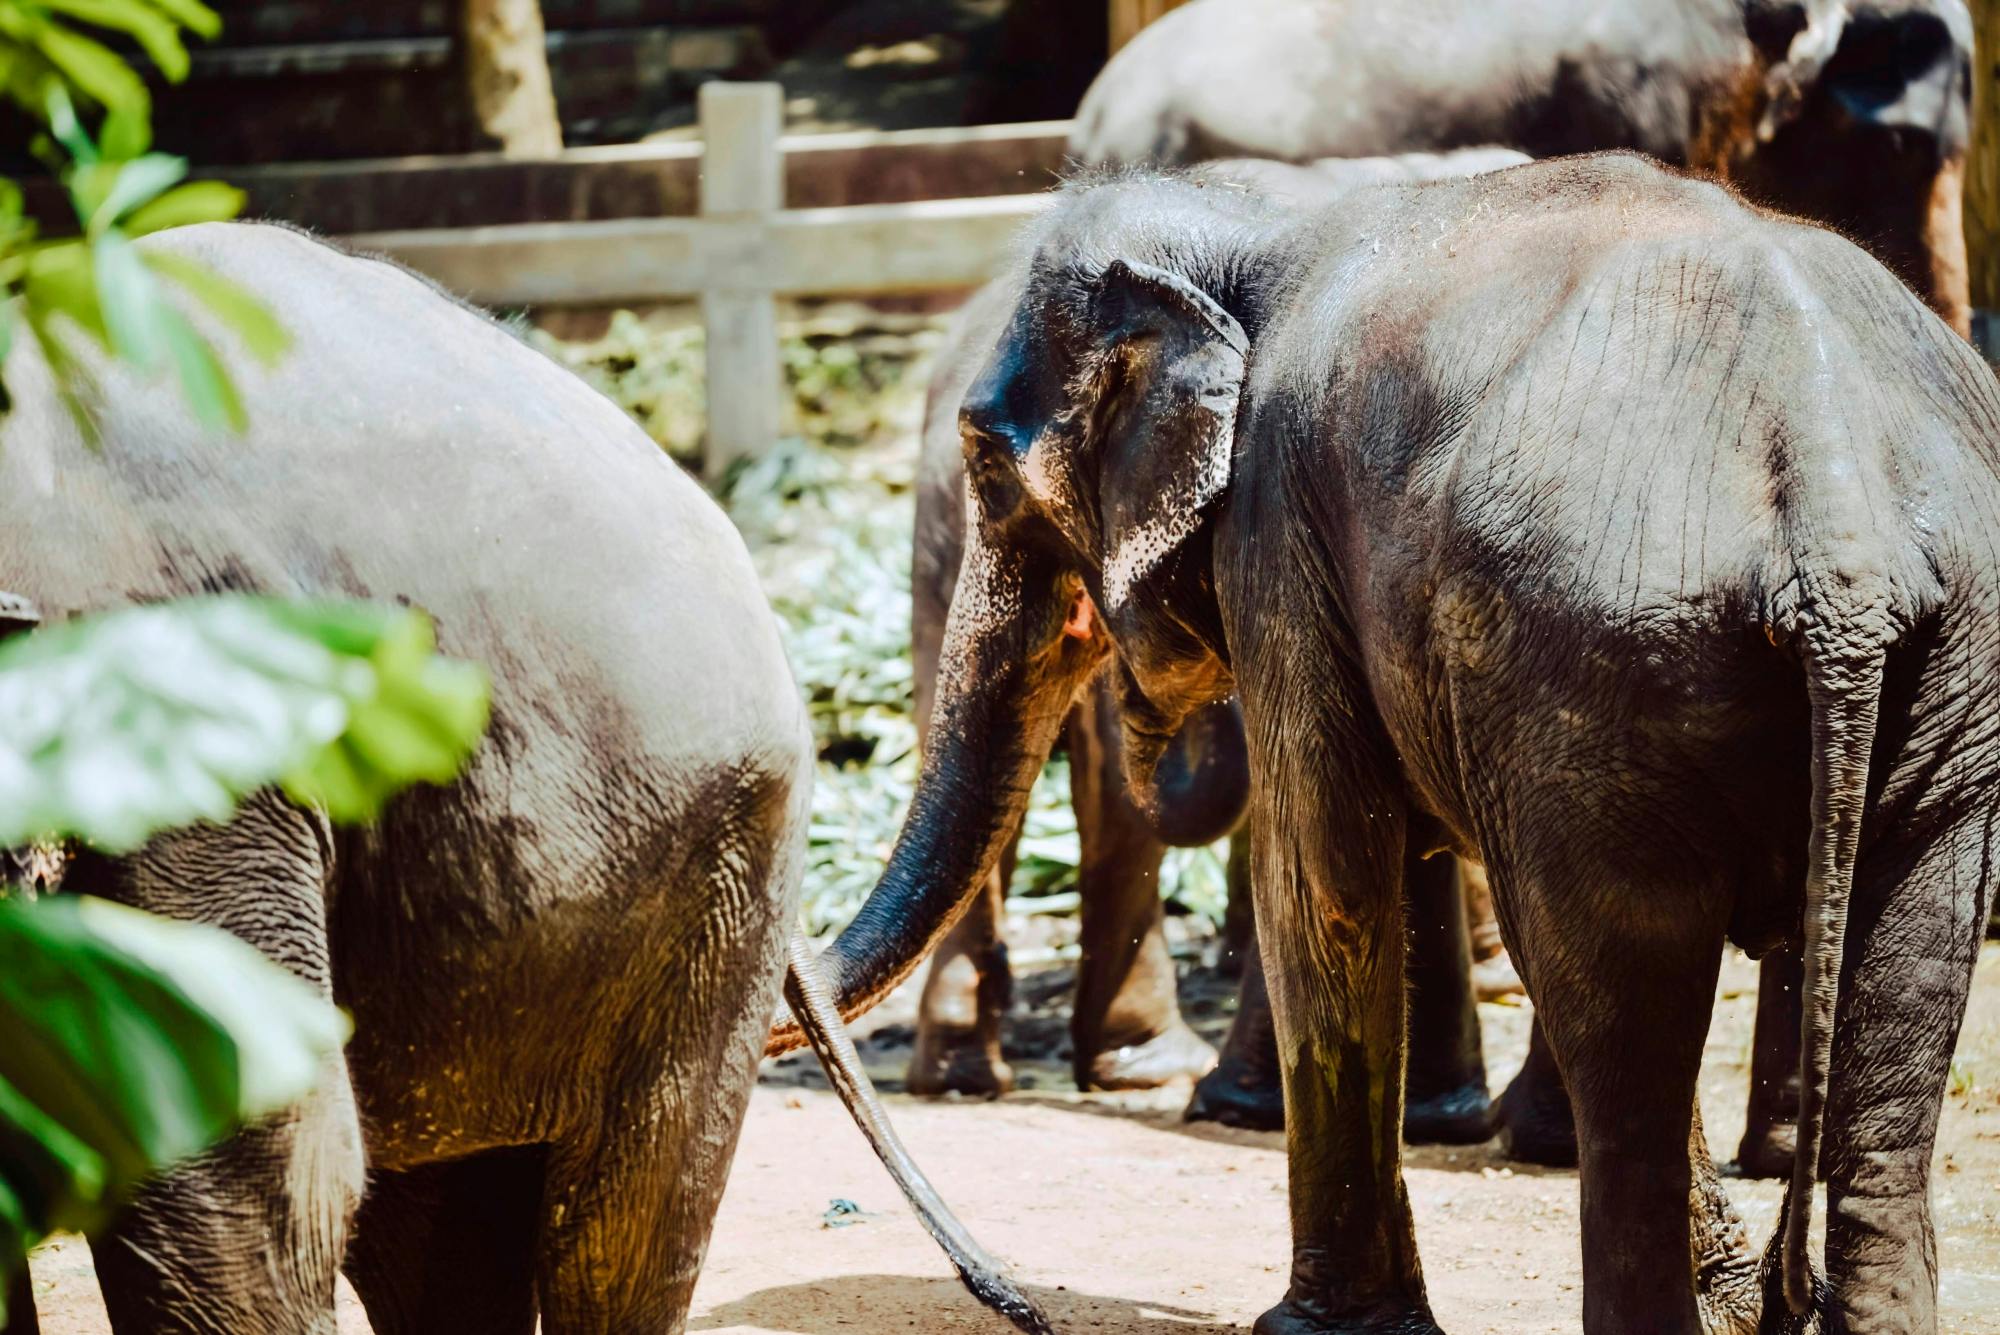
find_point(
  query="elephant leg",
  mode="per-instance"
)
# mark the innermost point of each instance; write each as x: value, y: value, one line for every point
x: 632, y: 1184
x: 1537, y: 1124
x: 451, y: 1246
x: 1771, y: 1131
x: 627, y: 1212
x: 21, y: 1318
x: 1245, y: 1089
x: 1919, y: 903
x: 1329, y: 878
x: 1126, y: 1029
x: 965, y: 998
x: 1728, y: 1272
x: 1239, y: 917
x: 1627, y: 998
x: 249, y: 1236
x: 1447, y: 1101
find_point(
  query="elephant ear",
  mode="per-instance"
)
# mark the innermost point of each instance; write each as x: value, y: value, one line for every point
x: 1165, y: 458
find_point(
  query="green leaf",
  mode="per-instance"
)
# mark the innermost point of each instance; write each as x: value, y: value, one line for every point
x: 130, y: 302
x: 126, y: 135
x: 60, y: 281
x: 128, y: 1042
x: 93, y: 68
x: 60, y: 113
x: 134, y: 183
x: 156, y: 33
x: 210, y: 391
x: 420, y: 723
x: 193, y: 15
x: 228, y: 301
x: 119, y: 725
x: 196, y: 202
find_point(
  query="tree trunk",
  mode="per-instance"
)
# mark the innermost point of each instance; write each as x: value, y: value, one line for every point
x: 507, y: 75
x: 1982, y: 170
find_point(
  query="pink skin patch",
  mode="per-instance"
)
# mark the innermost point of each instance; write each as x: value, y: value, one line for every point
x: 1082, y: 617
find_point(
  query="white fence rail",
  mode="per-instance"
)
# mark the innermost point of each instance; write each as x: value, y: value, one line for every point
x: 741, y: 253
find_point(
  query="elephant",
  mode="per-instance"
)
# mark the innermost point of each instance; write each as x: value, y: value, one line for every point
x: 1126, y: 1027
x: 560, y: 966
x: 1853, y: 113
x: 1579, y: 519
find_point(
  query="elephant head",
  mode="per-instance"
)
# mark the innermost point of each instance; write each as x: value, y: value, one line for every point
x: 1862, y: 122
x: 1097, y: 439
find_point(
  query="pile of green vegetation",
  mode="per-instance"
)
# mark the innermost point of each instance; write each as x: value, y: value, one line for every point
x: 828, y: 516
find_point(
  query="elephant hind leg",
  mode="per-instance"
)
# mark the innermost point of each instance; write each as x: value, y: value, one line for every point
x: 965, y: 999
x: 1623, y: 993
x: 451, y: 1246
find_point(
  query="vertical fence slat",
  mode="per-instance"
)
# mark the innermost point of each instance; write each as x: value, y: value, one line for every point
x: 742, y: 180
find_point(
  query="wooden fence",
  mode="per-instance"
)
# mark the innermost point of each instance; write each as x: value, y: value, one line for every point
x: 741, y: 251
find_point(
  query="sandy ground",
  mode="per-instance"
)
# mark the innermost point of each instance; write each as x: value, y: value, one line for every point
x: 1122, y: 1219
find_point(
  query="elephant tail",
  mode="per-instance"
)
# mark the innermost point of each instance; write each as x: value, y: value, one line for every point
x: 806, y: 992
x: 1843, y: 691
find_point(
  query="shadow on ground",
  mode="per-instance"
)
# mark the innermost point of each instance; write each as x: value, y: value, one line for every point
x: 895, y: 1302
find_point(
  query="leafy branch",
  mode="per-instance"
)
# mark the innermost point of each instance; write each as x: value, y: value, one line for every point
x: 128, y: 1042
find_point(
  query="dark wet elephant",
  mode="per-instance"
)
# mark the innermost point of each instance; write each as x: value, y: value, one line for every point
x: 561, y: 967
x: 1126, y: 1027
x: 1853, y: 113
x: 1576, y: 518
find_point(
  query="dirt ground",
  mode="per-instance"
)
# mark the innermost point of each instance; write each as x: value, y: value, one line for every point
x: 1123, y: 1220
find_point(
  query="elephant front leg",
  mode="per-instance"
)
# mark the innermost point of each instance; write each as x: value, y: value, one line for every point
x: 1771, y: 1131
x: 1329, y: 921
x: 965, y: 998
x: 1537, y: 1124
x: 1245, y: 1089
x: 1448, y: 1102
x: 1126, y: 1030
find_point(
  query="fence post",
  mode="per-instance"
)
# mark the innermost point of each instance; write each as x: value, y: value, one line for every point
x: 742, y: 180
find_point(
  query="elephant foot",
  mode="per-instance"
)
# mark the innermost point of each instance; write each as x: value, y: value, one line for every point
x: 1536, y: 1123
x: 1292, y: 1317
x: 1768, y: 1151
x: 1177, y: 1054
x: 1462, y: 1116
x: 958, y: 1061
x: 1495, y: 978
x: 1223, y: 1096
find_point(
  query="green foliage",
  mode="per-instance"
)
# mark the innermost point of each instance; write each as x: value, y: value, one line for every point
x: 152, y: 717
x: 99, y: 283
x: 130, y: 1042
x: 846, y: 379
x: 43, y: 51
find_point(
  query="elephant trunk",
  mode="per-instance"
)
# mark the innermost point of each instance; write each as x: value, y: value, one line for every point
x: 1003, y: 689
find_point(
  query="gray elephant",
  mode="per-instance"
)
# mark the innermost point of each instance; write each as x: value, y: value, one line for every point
x: 1576, y: 518
x: 1853, y: 113
x: 561, y: 966
x: 1126, y: 1028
